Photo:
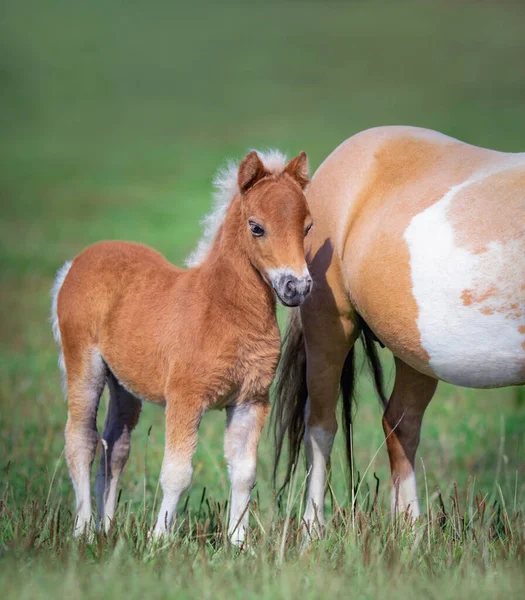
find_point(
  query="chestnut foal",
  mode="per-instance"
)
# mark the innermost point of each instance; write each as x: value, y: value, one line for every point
x: 190, y: 340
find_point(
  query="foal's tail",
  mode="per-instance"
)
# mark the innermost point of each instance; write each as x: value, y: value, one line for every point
x: 291, y: 393
x: 57, y: 286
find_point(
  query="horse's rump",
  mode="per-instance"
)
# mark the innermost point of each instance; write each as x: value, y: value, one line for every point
x: 431, y: 236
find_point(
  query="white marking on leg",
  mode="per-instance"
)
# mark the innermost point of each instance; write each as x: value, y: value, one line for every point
x: 242, y: 476
x: 243, y: 429
x: 404, y: 496
x: 465, y: 346
x: 83, y: 504
x: 318, y: 445
x: 112, y: 462
x: 103, y: 490
x: 82, y: 437
x: 175, y: 479
x: 123, y: 415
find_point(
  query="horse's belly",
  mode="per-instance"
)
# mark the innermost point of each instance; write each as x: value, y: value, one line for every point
x: 474, y: 356
x: 471, y: 303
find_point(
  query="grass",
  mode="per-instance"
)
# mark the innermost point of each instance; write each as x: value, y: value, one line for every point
x: 114, y: 118
x: 455, y: 553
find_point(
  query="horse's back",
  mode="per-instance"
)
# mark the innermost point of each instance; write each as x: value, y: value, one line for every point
x: 110, y: 271
x: 114, y: 300
x: 430, y: 232
x: 118, y: 259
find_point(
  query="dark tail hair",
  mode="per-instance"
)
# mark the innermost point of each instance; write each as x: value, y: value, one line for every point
x: 291, y: 393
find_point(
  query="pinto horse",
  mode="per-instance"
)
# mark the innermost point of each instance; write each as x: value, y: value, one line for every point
x: 189, y: 340
x: 419, y: 243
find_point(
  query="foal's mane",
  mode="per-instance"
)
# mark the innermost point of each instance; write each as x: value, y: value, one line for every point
x: 226, y: 188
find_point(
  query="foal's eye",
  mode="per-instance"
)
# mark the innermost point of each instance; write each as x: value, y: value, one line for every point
x: 307, y: 230
x: 256, y: 229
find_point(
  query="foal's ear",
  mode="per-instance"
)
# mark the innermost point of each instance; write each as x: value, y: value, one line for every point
x: 251, y: 170
x: 298, y: 169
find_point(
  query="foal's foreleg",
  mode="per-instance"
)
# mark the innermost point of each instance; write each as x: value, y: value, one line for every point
x: 402, y: 425
x: 243, y: 429
x: 182, y: 424
x: 123, y: 416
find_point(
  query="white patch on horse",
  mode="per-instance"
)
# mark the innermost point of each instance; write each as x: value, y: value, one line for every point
x: 241, y: 458
x: 404, y: 497
x: 57, y: 286
x: 318, y: 444
x: 226, y: 188
x: 466, y: 346
x: 176, y: 475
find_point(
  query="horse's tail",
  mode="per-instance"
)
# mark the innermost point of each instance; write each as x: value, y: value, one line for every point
x: 290, y: 396
x: 347, y: 384
x: 291, y: 393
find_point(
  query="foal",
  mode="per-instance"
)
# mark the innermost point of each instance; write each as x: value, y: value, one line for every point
x: 190, y: 340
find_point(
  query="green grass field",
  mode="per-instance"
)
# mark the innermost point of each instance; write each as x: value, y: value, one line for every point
x: 113, y: 118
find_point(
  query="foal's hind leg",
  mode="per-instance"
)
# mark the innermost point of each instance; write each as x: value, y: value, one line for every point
x: 402, y: 425
x: 123, y: 416
x: 183, y: 416
x: 243, y: 429
x: 85, y: 382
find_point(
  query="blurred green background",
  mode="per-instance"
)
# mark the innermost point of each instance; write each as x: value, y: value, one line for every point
x: 114, y: 117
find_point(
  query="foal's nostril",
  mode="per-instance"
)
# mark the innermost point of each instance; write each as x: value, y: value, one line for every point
x: 290, y: 286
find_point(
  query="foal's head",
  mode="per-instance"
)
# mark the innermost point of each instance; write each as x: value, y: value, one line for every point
x: 276, y: 220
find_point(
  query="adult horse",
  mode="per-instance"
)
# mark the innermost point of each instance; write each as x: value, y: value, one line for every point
x: 421, y: 237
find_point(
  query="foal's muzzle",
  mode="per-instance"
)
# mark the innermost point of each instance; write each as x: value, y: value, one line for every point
x: 292, y: 290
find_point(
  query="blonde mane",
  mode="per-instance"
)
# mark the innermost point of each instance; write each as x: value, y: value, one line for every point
x: 226, y: 188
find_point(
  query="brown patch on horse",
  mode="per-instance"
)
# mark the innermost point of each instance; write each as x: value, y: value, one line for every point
x: 470, y: 297
x: 467, y: 214
x: 491, y: 301
x: 494, y: 300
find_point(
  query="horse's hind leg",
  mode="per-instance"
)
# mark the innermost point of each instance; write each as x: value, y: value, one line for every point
x: 85, y: 381
x: 402, y: 425
x: 123, y: 416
